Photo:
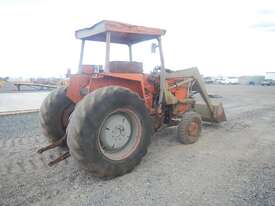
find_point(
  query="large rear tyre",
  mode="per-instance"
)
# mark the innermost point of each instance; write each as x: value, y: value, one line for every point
x: 189, y: 128
x: 109, y: 131
x: 54, y: 114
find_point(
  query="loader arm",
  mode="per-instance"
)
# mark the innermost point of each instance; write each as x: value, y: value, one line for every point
x: 212, y: 112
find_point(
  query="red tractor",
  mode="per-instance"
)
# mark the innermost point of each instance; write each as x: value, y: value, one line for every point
x: 107, y: 117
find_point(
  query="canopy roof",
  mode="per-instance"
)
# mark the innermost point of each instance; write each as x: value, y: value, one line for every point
x: 120, y: 32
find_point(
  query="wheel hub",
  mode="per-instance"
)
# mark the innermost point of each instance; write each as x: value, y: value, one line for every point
x: 119, y: 134
x: 193, y: 129
x: 116, y: 132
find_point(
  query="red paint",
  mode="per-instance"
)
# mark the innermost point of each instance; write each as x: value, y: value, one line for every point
x: 136, y: 82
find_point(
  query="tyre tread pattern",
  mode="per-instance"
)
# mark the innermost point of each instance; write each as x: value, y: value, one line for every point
x: 187, y: 118
x: 82, y: 131
x: 51, y: 112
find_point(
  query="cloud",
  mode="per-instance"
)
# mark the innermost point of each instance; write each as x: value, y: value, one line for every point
x: 266, y: 20
x: 206, y: 36
x: 265, y: 26
x: 266, y: 12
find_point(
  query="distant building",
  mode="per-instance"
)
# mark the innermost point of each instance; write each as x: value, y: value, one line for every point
x: 251, y: 79
x: 270, y: 76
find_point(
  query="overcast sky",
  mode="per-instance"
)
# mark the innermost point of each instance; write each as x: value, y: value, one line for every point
x: 220, y: 37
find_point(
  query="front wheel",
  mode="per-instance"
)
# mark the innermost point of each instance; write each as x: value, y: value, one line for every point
x: 189, y: 128
x: 109, y: 131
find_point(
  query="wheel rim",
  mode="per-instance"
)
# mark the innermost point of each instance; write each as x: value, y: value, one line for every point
x: 119, y: 134
x: 193, y: 129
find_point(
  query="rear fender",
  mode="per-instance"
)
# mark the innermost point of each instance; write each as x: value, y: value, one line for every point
x: 76, y: 83
x: 134, y: 82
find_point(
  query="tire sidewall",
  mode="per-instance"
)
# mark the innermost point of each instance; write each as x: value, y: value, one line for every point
x: 51, y: 114
x: 187, y: 119
x: 87, y: 136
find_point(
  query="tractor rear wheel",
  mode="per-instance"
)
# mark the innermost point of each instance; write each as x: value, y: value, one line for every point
x: 109, y: 131
x: 189, y: 128
x: 54, y: 114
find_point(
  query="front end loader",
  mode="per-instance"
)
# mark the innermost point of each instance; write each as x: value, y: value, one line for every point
x: 106, y: 117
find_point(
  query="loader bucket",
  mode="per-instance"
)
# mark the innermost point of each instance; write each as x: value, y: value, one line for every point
x: 209, y: 112
x: 217, y: 114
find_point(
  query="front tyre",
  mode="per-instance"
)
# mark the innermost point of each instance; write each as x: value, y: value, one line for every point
x: 54, y: 114
x: 189, y: 128
x: 109, y: 131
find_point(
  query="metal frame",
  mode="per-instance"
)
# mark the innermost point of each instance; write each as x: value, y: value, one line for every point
x: 134, y: 33
x: 130, y: 53
x: 107, y: 63
x: 107, y: 57
x: 162, y: 73
x: 81, y: 55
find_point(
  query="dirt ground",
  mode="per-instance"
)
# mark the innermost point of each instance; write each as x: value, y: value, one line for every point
x: 233, y: 163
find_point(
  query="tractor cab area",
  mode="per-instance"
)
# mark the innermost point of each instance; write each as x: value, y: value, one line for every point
x: 119, y: 33
x: 128, y: 74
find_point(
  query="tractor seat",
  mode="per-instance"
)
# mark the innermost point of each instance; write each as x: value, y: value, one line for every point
x: 125, y: 67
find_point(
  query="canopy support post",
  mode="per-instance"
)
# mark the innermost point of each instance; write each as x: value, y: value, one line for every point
x: 81, y: 55
x: 162, y: 73
x: 107, y: 57
x: 130, y: 53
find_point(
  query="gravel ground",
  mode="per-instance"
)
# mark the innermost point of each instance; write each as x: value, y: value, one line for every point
x: 233, y: 163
